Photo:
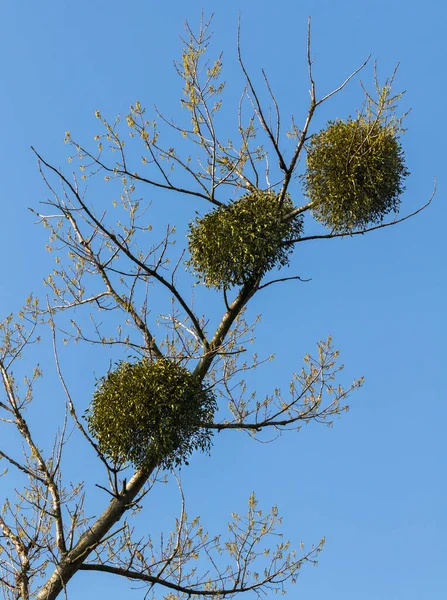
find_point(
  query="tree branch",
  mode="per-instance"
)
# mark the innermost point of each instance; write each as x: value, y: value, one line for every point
x: 295, y: 277
x: 258, y: 108
x: 127, y: 252
x: 93, y: 537
x: 368, y: 229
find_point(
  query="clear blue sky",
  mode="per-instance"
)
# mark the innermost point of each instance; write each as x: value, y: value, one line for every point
x: 375, y: 483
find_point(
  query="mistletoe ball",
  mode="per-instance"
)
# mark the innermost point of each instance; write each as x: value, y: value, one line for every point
x: 355, y: 172
x: 151, y: 411
x: 245, y: 238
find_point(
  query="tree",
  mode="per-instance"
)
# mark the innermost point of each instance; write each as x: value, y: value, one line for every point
x: 166, y: 396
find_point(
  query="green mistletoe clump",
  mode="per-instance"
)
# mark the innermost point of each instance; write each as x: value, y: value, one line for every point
x: 355, y: 172
x: 245, y: 238
x: 151, y: 411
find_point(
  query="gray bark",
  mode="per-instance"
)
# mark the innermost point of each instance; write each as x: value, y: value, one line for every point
x: 71, y: 562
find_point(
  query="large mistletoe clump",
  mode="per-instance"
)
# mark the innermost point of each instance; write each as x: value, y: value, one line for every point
x: 355, y: 172
x: 151, y: 410
x: 245, y: 238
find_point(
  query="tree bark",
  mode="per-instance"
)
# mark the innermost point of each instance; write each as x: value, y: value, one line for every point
x: 90, y: 540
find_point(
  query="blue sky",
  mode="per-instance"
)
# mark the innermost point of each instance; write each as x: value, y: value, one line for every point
x: 374, y: 484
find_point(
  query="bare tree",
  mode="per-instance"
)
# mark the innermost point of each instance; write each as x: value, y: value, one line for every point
x: 109, y: 269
